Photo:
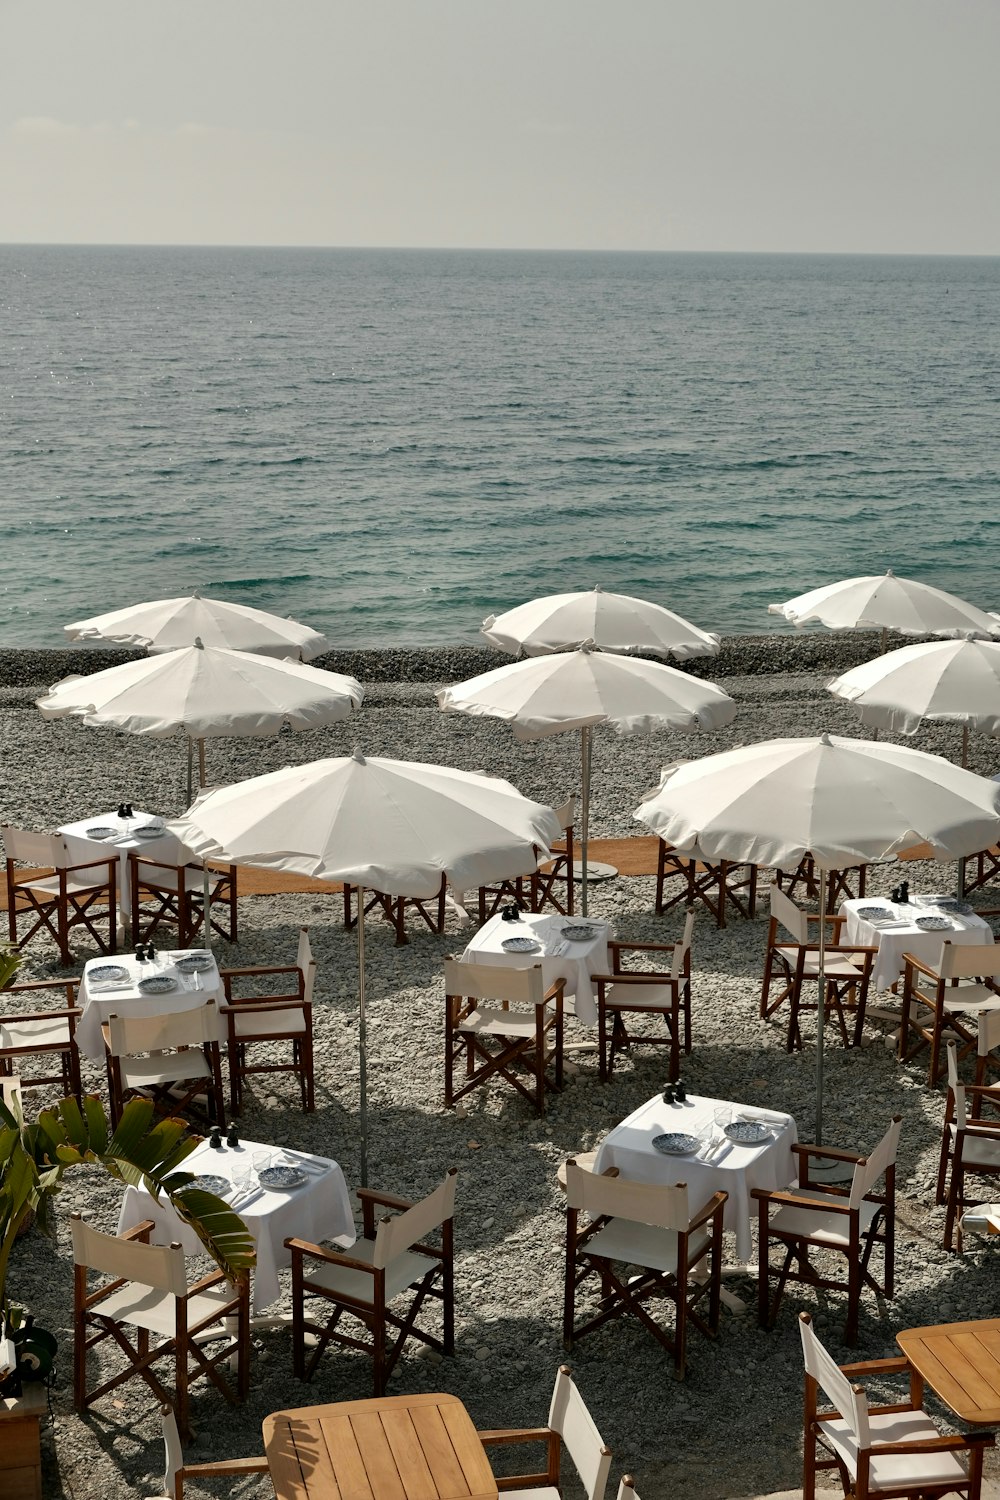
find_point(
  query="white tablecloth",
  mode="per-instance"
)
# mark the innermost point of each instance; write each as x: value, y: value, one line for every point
x: 167, y: 847
x: 318, y: 1210
x: 577, y: 965
x: 629, y: 1147
x: 99, y: 1000
x: 893, y: 942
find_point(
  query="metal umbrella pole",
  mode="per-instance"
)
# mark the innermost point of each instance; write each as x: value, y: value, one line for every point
x: 585, y: 746
x: 362, y: 1037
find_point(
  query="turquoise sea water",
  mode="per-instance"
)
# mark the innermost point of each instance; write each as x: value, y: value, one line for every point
x: 391, y: 444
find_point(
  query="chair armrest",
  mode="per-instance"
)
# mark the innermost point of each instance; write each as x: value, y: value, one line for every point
x: 897, y: 1365
x: 953, y: 1444
x: 829, y: 1153
x: 387, y: 1200
x: 911, y: 961
x: 140, y: 1231
x: 555, y: 991
x: 332, y: 1257
x: 504, y: 1436
x: 262, y: 1003
x: 638, y: 976
x: 224, y: 1466
x: 617, y: 946
x: 39, y: 984
x: 826, y: 1204
x: 260, y: 969
x: 74, y: 1012
x: 711, y: 1208
x: 90, y: 865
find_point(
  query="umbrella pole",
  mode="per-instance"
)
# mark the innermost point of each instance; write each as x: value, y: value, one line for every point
x: 821, y: 1007
x: 362, y: 1037
x: 190, y: 798
x: 201, y: 762
x: 585, y: 836
x: 965, y: 767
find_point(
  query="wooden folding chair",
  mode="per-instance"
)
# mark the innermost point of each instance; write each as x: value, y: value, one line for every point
x: 887, y: 1450
x: 391, y: 1260
x: 49, y: 1034
x: 830, y: 1219
x: 177, y: 1472
x: 790, y: 966
x: 716, y: 886
x: 970, y: 1147
x: 56, y: 895
x: 496, y: 1041
x: 841, y: 885
x: 165, y: 895
x: 658, y: 992
x: 570, y: 1427
x: 394, y: 908
x: 554, y: 882
x: 271, y: 1020
x: 149, y: 1292
x: 947, y: 997
x: 171, y: 1058
x: 633, y: 1226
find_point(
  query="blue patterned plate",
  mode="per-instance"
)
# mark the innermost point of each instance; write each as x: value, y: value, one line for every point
x: 676, y: 1143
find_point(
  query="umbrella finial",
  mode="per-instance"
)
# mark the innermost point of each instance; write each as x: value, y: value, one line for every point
x: 598, y: 589
x: 196, y: 593
x: 825, y: 739
x: 588, y: 645
x: 356, y: 755
x: 199, y: 643
x: 889, y: 573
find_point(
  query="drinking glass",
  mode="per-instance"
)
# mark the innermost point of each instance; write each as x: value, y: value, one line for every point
x: 261, y: 1162
x: 723, y: 1116
x: 242, y: 1177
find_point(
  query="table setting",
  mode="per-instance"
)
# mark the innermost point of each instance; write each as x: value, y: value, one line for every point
x: 123, y: 830
x: 567, y: 948
x: 147, y: 982
x: 277, y: 1191
x: 917, y: 925
x: 710, y: 1144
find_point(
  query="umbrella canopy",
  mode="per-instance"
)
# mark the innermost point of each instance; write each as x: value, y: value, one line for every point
x: 841, y: 801
x: 886, y: 602
x: 954, y: 681
x: 206, y: 692
x: 613, y: 622
x: 168, y: 624
x: 577, y: 689
x: 387, y: 825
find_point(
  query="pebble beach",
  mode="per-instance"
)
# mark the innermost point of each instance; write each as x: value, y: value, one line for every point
x: 733, y: 1428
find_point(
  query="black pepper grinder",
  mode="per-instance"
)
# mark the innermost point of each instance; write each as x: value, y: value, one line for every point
x: 215, y: 1139
x: 904, y: 893
x: 233, y: 1138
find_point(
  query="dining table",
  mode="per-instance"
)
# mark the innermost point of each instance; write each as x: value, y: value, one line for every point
x: 316, y: 1206
x: 712, y: 1162
x: 89, y: 838
x: 961, y: 1364
x: 542, y: 938
x: 918, y: 926
x: 120, y: 985
x: 416, y: 1447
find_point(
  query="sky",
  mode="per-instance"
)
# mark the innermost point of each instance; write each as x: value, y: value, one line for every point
x: 864, y: 126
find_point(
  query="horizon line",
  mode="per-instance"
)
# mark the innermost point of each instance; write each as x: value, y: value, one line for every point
x: 490, y: 249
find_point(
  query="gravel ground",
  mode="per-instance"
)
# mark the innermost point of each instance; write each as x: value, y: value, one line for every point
x: 703, y: 1438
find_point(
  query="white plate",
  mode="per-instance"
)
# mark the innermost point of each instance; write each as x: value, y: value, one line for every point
x: 520, y: 945
x: 747, y: 1132
x: 934, y: 924
x: 106, y: 974
x: 100, y: 832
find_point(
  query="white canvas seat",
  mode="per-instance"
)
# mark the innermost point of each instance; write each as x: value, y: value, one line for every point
x: 390, y: 1259
x: 522, y: 1045
x: 789, y: 968
x: 860, y: 1439
x: 271, y: 1017
x: 149, y: 1291
x: 570, y: 1426
x: 814, y: 1216
x: 664, y: 991
x: 635, y: 1226
x: 947, y: 998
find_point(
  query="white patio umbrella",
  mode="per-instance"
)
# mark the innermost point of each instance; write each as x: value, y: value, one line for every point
x: 548, y: 695
x: 885, y: 602
x: 613, y: 622
x: 206, y: 692
x: 168, y: 624
x: 392, y: 826
x: 937, y: 681
x: 842, y: 801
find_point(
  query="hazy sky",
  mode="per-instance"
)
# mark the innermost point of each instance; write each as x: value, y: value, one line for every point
x: 839, y: 125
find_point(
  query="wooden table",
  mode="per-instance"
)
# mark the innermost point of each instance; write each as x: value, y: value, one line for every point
x: 961, y: 1363
x: 387, y: 1448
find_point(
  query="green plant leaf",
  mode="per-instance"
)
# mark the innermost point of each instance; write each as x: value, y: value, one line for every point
x: 221, y: 1230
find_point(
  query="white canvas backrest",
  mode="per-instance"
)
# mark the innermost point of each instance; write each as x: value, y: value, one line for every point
x: 494, y: 981
x: 567, y: 813
x: 306, y: 964
x: 683, y: 948
x: 160, y: 1033
x: 663, y: 1205
x: 397, y: 1234
x: 788, y: 914
x: 34, y: 848
x: 852, y: 1405
x: 969, y: 960
x: 989, y: 1031
x: 173, y: 1453
x: 867, y: 1173
x: 159, y: 1266
x: 958, y: 1092
x: 568, y: 1415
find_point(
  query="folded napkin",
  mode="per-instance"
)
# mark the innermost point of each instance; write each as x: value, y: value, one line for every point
x: 881, y: 924
x: 556, y: 951
x: 719, y: 1152
x: 111, y: 984
x: 766, y: 1116
x: 303, y: 1162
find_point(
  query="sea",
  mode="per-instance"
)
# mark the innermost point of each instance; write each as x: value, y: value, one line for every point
x: 390, y: 445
